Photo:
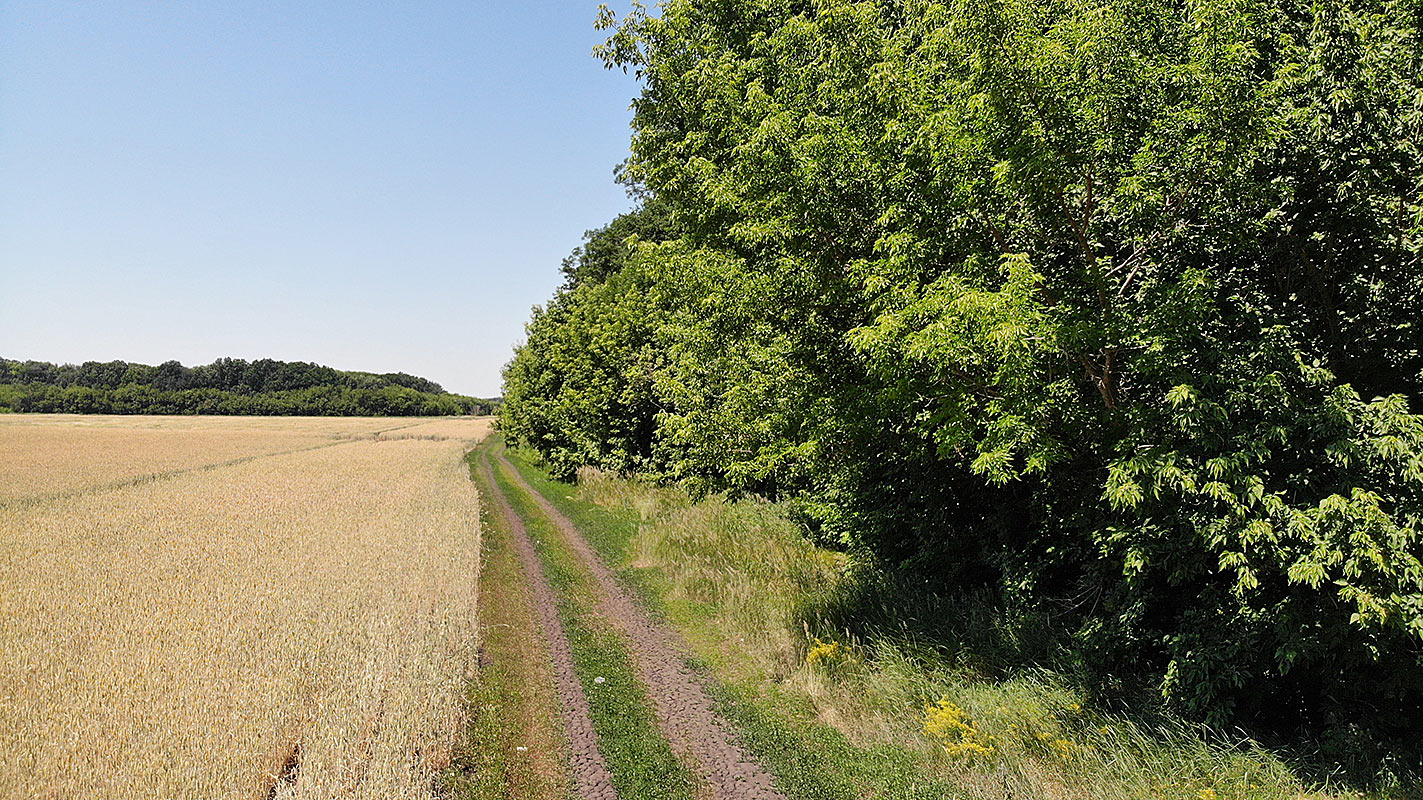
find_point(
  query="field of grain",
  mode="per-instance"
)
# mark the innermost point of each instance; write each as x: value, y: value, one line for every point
x: 439, y: 428
x: 192, y: 619
x: 46, y: 455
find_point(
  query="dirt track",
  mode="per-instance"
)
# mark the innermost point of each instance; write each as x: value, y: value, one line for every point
x: 684, y: 710
x: 588, y: 771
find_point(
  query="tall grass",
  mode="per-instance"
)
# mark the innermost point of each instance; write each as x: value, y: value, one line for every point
x: 957, y: 684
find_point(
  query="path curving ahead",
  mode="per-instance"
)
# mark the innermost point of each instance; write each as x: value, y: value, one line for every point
x: 684, y: 709
x: 587, y: 769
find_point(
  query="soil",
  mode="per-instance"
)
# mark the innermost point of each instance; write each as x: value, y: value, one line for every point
x: 517, y: 677
x: 684, y: 710
x: 587, y: 770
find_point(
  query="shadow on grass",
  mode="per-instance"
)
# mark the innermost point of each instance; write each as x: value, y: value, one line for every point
x: 976, y: 632
x: 743, y: 557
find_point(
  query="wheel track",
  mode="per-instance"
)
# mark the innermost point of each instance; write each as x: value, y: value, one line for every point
x: 684, y: 709
x: 587, y: 769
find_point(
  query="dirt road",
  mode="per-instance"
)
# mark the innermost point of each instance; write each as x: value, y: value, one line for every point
x: 704, y: 742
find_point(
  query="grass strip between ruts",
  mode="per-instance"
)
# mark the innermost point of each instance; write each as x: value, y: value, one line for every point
x: 639, y: 758
x: 511, y: 747
x: 809, y: 760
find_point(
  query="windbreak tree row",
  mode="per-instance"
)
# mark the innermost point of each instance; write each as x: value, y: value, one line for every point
x: 317, y: 401
x: 1108, y: 305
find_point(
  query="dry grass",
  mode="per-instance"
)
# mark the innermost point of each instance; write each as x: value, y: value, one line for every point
x: 308, y: 614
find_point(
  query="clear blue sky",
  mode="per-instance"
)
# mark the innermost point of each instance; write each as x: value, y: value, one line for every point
x: 376, y: 186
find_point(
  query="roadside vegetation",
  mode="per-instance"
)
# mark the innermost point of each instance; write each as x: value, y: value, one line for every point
x: 640, y: 762
x: 1084, y: 334
x: 828, y: 675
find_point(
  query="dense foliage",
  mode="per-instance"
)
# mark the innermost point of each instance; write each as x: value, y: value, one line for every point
x: 226, y: 386
x: 1108, y: 306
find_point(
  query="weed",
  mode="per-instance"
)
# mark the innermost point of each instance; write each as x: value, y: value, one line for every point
x: 948, y: 725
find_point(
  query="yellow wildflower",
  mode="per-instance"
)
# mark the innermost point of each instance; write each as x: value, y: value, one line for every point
x: 824, y: 653
x: 955, y: 732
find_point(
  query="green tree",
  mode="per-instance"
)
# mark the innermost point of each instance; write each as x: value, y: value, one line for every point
x: 1108, y: 304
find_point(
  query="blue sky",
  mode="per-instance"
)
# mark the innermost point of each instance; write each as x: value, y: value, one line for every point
x: 376, y: 186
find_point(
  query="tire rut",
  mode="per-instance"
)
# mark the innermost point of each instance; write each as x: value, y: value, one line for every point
x: 684, y: 709
x: 588, y: 770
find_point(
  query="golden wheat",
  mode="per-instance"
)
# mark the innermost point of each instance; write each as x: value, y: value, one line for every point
x: 465, y: 429
x: 49, y: 454
x: 39, y: 463
x: 339, y: 426
x: 302, y: 622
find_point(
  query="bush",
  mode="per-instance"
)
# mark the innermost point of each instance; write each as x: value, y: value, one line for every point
x: 1107, y: 307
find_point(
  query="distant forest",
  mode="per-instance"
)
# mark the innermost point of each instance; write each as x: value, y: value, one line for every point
x: 226, y: 386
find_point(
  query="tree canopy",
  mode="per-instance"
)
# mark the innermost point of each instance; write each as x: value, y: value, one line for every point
x: 226, y: 386
x: 1107, y: 305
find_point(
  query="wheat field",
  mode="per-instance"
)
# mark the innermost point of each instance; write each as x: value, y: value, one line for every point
x: 185, y: 618
x: 52, y: 454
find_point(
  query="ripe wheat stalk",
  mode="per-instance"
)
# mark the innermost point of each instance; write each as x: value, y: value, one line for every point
x: 299, y: 624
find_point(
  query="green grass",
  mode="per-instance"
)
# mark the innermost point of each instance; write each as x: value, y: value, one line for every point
x: 810, y: 761
x: 639, y: 758
x: 510, y: 698
x: 754, y: 598
x: 481, y: 768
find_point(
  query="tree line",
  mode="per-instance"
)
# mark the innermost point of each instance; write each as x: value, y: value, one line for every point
x: 1107, y: 308
x: 226, y: 386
